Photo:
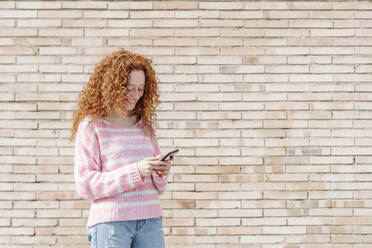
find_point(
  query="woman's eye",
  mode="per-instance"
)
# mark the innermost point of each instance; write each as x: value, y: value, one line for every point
x: 131, y: 88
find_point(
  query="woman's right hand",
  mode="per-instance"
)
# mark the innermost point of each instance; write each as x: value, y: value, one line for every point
x: 148, y: 165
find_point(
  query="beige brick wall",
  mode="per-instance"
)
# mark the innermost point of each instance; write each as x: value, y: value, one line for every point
x: 270, y: 104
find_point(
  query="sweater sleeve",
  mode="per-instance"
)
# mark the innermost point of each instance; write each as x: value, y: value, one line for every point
x: 160, y: 181
x: 90, y: 181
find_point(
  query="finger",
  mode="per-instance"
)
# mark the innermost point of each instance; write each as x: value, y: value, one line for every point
x: 162, y: 165
x: 163, y: 169
x: 167, y: 162
x: 154, y: 166
x: 152, y: 158
x: 154, y: 163
x: 158, y: 156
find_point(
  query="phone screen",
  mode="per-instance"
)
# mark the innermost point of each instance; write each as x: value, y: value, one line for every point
x: 171, y: 153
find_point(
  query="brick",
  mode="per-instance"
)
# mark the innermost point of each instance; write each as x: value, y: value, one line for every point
x: 179, y: 240
x: 265, y: 239
x: 240, y: 213
x: 219, y: 59
x: 237, y: 33
x: 217, y: 239
x: 196, y: 51
x: 4, y: 222
x: 171, y: 59
x: 54, y: 178
x: 7, y: 59
x: 129, y: 42
x: 84, y: 5
x: 105, y: 32
x: 177, y: 222
x: 71, y: 222
x: 312, y: 23
x: 202, y: 32
x: 39, y: 23
x: 57, y: 213
x: 196, y: 14
x: 179, y: 213
x: 195, y: 195
x: 33, y: 240
x: 220, y: 41
x: 218, y: 204
x: 57, y: 196
x: 195, y: 106
x: 50, y: 231
x: 196, y: 178
x: 36, y: 204
x: 54, y: 106
x: 152, y: 14
x: 218, y: 222
x: 221, y: 23
x: 18, y: 68
x: 18, y: 14
x: 61, y: 32
x: 16, y: 231
x: 219, y: 115
x: 241, y: 14
x: 220, y: 5
x: 175, y: 23
x: 286, y: 14
x: 35, y: 187
x: 7, y: 5
x: 175, y: 42
x: 83, y: 23
x: 37, y: 5
x: 286, y: 123
x: 243, y: 230
x: 193, y: 231
x: 266, y: 5
x: 130, y: 5
x: 330, y: 14
x: 360, y: 14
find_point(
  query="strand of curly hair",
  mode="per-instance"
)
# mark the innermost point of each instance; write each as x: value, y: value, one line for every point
x: 106, y: 90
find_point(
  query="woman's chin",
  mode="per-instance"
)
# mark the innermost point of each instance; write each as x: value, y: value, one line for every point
x: 131, y: 106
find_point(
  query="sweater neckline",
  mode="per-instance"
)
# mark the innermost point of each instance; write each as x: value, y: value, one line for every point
x: 120, y: 127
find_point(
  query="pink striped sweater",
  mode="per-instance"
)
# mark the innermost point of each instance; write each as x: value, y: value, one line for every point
x: 106, y: 172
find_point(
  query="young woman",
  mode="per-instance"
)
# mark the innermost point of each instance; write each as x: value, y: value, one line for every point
x: 117, y: 156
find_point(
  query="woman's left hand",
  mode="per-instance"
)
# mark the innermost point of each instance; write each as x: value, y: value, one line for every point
x: 165, y: 166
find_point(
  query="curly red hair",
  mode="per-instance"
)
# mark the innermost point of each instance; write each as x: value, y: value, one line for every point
x: 106, y: 91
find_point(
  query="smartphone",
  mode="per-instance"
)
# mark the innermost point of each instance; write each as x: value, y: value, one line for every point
x: 171, y: 153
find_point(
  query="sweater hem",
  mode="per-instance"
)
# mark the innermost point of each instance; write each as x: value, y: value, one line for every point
x: 101, y: 215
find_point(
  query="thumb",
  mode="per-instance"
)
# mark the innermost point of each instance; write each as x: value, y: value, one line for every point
x: 151, y: 158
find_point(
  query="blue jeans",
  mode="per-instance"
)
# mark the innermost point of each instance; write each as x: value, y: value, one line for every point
x: 146, y: 233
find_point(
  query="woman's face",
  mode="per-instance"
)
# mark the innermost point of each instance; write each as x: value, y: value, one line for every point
x: 135, y: 88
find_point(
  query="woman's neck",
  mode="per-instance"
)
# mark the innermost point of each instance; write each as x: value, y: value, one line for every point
x: 130, y: 114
